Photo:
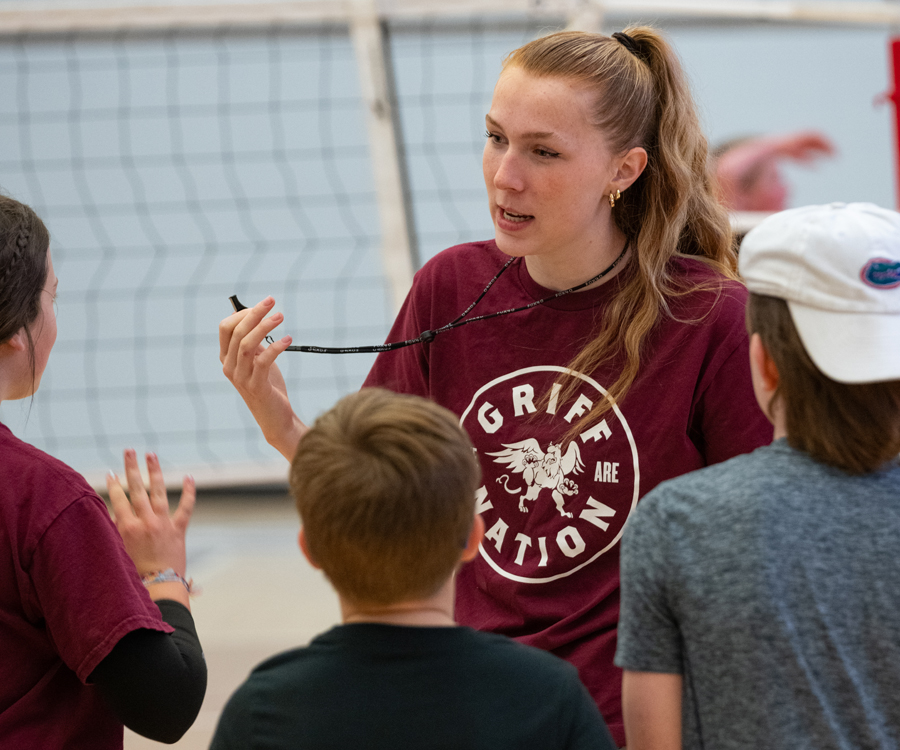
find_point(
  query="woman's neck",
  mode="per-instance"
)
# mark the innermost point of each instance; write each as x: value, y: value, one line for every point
x: 557, y: 272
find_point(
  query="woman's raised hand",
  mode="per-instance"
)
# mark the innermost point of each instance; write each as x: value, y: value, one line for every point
x: 250, y: 366
x: 153, y: 539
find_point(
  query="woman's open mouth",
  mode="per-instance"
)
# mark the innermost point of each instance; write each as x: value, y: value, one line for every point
x: 510, y: 216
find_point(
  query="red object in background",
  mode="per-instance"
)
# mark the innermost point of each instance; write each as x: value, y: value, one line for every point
x: 894, y: 97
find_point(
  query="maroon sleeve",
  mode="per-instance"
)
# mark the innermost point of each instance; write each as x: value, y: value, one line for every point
x: 87, y: 587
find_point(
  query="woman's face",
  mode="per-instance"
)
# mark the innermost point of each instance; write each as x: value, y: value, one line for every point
x: 547, y: 169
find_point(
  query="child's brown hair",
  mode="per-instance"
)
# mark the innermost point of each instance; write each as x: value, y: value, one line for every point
x: 385, y: 487
x: 853, y: 426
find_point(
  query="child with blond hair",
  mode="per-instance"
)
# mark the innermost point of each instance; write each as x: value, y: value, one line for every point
x: 385, y: 487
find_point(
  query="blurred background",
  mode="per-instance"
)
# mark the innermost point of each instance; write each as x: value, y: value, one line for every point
x: 320, y: 152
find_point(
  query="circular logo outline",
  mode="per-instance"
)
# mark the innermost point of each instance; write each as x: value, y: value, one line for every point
x: 634, y: 455
x: 866, y: 274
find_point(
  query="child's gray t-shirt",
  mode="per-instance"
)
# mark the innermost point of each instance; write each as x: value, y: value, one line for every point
x: 771, y: 582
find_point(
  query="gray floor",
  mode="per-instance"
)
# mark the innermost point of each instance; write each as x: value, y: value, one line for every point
x: 259, y: 596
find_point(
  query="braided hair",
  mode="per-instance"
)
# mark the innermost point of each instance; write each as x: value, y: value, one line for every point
x: 24, y: 242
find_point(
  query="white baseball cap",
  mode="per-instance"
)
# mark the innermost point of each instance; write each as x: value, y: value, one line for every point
x: 838, y: 267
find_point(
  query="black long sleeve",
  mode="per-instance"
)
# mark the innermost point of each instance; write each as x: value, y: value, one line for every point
x: 153, y: 681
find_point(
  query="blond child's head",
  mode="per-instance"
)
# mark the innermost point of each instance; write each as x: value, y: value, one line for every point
x: 385, y: 487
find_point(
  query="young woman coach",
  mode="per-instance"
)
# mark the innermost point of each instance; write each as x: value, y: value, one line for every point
x: 619, y: 357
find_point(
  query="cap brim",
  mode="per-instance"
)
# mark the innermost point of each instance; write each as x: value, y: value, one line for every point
x: 850, y: 347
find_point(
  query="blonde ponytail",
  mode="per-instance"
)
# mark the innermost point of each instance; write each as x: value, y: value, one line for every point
x: 670, y: 211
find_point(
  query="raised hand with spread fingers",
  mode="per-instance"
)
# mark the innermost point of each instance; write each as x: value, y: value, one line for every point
x: 154, y: 538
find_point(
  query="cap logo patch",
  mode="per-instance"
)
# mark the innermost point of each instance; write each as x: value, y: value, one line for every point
x: 881, y: 273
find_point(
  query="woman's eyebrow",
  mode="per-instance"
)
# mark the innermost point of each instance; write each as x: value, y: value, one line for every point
x: 535, y: 135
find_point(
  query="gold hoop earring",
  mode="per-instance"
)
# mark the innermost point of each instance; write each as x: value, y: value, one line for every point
x: 614, y: 198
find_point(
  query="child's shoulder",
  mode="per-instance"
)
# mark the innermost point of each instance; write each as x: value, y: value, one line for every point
x: 773, y: 477
x: 499, y: 655
x: 721, y: 484
x: 376, y: 675
x: 490, y: 653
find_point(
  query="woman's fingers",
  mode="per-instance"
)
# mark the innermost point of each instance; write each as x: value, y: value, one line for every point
x: 250, y: 366
x: 153, y: 539
x: 158, y: 499
x: 121, y: 508
x: 140, y: 503
x: 251, y: 344
x: 226, y: 331
x: 251, y: 372
x: 182, y: 516
x: 265, y: 360
x: 236, y: 328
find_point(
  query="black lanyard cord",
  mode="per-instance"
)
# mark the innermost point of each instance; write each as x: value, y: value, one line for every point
x: 428, y: 336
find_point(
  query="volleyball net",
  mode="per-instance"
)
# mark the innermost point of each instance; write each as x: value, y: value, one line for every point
x: 314, y: 151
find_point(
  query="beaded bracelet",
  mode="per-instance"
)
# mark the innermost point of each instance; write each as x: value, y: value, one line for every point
x: 168, y: 576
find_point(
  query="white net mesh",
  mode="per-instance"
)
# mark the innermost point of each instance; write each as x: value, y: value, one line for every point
x: 176, y: 168
x: 173, y: 171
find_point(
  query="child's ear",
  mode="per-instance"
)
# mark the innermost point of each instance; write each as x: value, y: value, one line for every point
x: 763, y: 364
x: 301, y: 540
x: 474, y: 540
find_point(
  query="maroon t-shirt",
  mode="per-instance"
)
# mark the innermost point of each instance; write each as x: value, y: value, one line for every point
x: 68, y: 593
x: 548, y: 570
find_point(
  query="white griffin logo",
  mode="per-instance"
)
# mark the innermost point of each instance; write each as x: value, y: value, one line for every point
x: 542, y: 470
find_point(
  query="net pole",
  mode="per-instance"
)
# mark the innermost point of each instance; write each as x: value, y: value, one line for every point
x: 382, y: 120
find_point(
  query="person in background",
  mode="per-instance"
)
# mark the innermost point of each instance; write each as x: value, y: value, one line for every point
x: 87, y: 645
x: 747, y: 170
x: 759, y: 599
